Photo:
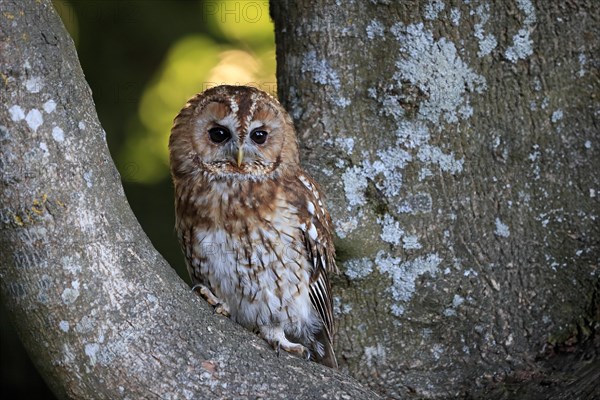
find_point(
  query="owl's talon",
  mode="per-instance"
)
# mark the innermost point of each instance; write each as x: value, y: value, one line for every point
x: 207, y: 294
x: 295, y: 348
x: 219, y: 306
x: 275, y: 336
x: 222, y: 309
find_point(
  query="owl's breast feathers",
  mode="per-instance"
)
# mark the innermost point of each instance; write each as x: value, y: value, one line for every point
x: 243, y: 208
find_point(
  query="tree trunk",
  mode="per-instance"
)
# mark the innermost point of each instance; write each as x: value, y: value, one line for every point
x: 458, y: 143
x: 98, y: 309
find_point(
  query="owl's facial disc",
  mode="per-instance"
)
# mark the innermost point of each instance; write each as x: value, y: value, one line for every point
x: 234, y: 151
x: 243, y: 134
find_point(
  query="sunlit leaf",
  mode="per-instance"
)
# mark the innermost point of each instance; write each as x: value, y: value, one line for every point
x: 193, y: 64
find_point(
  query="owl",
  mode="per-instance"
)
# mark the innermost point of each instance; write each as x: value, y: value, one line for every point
x: 251, y: 222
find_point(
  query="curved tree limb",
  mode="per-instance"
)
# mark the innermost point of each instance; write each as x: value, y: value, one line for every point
x: 98, y: 309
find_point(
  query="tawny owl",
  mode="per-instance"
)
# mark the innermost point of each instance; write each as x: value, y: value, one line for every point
x: 252, y: 224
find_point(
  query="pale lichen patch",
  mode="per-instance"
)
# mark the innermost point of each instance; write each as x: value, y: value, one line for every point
x: 91, y: 350
x: 16, y: 113
x: 411, y: 242
x: 343, y: 227
x: 446, y: 162
x: 321, y: 71
x: 70, y: 295
x: 64, y: 326
x: 58, y: 134
x: 501, y: 229
x: 44, y: 148
x: 436, y: 68
x: 34, y: 119
x: 450, y: 312
x: 34, y: 84
x: 71, y: 264
x: 375, y: 355
x: 405, y: 274
x: 582, y: 64
x: 433, y: 8
x: 375, y: 29
x: 526, y: 6
x: 557, y: 116
x: 342, y: 102
x: 323, y: 74
x: 457, y: 300
x: 391, y: 231
x: 49, y: 106
x: 455, y: 16
x: 346, y: 144
x: 87, y: 177
x: 413, y: 203
x: 355, y: 184
x: 340, y: 308
x: 412, y: 134
x: 437, y: 350
x: 87, y: 324
x: 487, y: 42
x: 389, y: 164
x: 522, y: 44
x: 358, y: 268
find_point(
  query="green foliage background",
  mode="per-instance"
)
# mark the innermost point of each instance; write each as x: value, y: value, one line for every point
x: 143, y: 60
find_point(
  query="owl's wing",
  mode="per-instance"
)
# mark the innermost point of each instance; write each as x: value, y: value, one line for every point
x: 320, y: 294
x: 317, y: 228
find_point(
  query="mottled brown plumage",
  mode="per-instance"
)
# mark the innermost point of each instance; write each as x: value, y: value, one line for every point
x: 254, y: 231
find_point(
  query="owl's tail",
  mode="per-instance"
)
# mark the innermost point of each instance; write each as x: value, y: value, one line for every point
x: 327, y: 357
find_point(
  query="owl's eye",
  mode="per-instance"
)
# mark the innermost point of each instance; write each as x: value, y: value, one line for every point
x: 219, y: 134
x: 258, y: 137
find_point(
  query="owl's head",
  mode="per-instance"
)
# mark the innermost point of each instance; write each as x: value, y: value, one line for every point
x: 233, y: 132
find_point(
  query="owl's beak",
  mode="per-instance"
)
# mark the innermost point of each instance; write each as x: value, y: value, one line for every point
x: 240, y: 156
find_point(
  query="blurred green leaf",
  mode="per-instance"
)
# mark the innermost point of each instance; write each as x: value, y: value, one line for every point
x: 193, y: 64
x: 247, y: 22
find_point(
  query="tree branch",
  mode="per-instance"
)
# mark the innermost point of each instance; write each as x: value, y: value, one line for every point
x: 98, y: 309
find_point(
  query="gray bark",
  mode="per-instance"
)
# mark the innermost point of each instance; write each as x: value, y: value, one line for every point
x: 458, y: 144
x: 98, y: 309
